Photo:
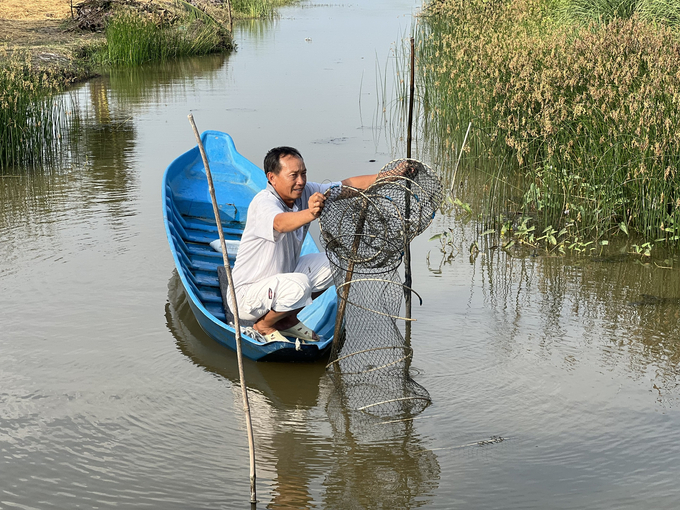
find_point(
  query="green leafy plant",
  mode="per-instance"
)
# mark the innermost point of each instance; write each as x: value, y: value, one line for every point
x: 446, y: 247
x: 644, y: 250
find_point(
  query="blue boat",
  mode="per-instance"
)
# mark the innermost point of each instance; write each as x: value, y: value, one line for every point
x: 190, y: 226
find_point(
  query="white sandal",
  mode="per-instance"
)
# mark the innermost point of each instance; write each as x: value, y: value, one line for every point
x: 302, y: 332
x: 274, y: 336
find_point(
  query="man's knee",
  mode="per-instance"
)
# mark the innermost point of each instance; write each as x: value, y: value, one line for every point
x: 317, y: 268
x: 294, y: 290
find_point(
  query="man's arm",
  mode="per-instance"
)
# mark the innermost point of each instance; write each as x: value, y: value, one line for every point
x: 403, y: 169
x: 360, y: 181
x: 289, y: 221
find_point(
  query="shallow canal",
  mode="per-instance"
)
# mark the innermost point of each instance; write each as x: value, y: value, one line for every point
x: 111, y: 395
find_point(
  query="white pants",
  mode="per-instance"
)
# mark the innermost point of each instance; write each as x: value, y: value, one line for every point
x: 286, y: 291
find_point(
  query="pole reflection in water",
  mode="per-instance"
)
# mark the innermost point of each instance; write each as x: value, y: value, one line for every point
x: 283, y: 397
x: 297, y: 457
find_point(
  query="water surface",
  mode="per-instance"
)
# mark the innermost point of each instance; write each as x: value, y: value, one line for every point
x: 111, y: 395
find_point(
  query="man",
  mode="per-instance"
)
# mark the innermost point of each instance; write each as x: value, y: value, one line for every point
x: 272, y: 281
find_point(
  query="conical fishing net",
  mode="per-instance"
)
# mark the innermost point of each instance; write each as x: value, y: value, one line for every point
x: 365, y: 233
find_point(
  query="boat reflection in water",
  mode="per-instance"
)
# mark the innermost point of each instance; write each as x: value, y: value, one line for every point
x: 299, y: 456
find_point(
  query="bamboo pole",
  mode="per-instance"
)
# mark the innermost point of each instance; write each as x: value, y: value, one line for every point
x: 412, y: 87
x: 460, y: 155
x: 237, y: 326
x: 231, y: 18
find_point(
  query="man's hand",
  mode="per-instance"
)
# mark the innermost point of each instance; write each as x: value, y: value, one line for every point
x: 316, y: 203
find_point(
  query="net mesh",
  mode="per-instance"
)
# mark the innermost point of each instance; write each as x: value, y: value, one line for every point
x: 365, y: 233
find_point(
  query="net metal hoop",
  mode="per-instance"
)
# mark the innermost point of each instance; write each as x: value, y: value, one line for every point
x: 376, y: 311
x: 363, y: 408
x: 408, y: 350
x: 338, y: 257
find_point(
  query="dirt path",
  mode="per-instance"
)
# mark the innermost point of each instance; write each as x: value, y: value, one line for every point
x: 43, y: 34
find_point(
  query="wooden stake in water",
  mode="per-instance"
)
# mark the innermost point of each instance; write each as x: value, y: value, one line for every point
x: 237, y: 326
x: 408, y: 279
x: 231, y: 18
x: 412, y: 88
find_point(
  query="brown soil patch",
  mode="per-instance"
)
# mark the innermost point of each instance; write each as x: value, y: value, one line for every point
x: 45, y: 33
x: 45, y: 30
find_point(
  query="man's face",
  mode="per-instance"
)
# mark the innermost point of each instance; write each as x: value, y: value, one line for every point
x: 291, y: 180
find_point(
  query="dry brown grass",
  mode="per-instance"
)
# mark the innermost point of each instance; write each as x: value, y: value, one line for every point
x: 33, y: 23
x: 35, y: 10
x: 37, y: 28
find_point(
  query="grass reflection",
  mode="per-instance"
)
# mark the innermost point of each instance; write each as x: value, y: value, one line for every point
x: 615, y: 310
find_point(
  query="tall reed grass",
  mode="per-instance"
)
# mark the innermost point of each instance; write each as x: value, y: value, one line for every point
x: 580, y: 122
x: 32, y: 118
x: 665, y: 11
x: 134, y: 38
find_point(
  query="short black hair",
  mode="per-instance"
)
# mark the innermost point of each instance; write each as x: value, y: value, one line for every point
x: 272, y: 161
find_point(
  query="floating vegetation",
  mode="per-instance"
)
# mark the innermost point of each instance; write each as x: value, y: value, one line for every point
x: 32, y: 118
x: 574, y: 127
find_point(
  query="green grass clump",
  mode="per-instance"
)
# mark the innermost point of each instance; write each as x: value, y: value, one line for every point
x: 134, y: 38
x: 604, y: 11
x: 244, y: 9
x: 579, y: 123
x: 31, y: 116
x: 596, y: 10
x: 665, y: 11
